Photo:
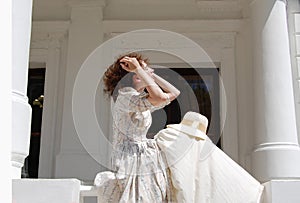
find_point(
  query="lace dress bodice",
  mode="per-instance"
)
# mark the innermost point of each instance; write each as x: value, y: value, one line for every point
x: 131, y: 115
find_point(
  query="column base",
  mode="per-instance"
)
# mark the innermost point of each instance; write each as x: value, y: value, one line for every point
x: 16, y: 172
x: 21, y: 122
x: 276, y: 161
x: 281, y: 191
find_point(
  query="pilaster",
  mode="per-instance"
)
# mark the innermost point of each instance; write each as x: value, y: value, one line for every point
x: 85, y: 34
x: 48, y: 47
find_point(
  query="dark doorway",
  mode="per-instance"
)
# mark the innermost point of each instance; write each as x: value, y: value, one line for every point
x: 203, y: 83
x: 35, y: 93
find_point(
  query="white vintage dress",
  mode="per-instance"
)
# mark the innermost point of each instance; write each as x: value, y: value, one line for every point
x: 139, y: 170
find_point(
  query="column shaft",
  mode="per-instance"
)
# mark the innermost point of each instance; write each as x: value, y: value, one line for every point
x: 5, y: 102
x: 276, y: 152
x: 21, y: 110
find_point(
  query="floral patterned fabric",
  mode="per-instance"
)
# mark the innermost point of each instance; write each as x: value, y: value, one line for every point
x: 139, y: 172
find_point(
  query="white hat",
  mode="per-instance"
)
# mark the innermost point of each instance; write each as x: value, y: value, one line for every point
x: 193, y: 124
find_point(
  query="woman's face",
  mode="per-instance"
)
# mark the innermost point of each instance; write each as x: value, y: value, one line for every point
x: 138, y: 83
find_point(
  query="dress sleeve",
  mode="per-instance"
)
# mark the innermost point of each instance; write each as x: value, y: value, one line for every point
x: 137, y: 102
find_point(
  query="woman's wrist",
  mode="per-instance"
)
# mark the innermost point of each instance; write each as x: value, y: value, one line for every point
x: 137, y: 69
x: 158, y: 79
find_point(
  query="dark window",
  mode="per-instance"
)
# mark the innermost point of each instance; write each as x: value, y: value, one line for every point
x: 35, y: 92
x: 200, y: 92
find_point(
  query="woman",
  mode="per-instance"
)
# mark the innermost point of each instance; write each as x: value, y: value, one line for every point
x: 140, y: 173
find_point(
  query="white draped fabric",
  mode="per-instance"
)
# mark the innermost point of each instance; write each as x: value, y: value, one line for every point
x: 202, y: 173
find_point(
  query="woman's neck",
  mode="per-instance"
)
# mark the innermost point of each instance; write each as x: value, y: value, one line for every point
x: 139, y: 88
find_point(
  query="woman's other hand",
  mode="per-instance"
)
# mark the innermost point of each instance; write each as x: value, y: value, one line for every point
x: 129, y: 64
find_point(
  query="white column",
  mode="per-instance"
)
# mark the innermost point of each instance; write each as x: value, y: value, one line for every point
x: 5, y: 102
x: 276, y: 152
x: 85, y: 34
x: 21, y: 110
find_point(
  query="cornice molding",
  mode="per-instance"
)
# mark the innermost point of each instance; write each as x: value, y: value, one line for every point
x: 86, y: 3
x: 50, y: 26
x: 193, y: 26
x: 215, y: 40
x: 86, y: 11
x: 48, y: 33
x: 219, y: 6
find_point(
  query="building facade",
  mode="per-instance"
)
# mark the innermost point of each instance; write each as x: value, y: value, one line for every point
x: 255, y: 46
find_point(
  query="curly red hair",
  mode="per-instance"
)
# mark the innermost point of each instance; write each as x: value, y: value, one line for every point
x: 114, y: 77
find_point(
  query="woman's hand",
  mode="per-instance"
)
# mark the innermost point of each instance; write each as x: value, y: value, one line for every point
x: 129, y: 64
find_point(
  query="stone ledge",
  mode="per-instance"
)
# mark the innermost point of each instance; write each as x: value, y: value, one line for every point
x: 46, y: 190
x: 277, y: 191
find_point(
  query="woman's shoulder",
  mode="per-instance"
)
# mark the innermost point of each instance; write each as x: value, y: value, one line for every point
x: 126, y: 93
x: 129, y: 94
x: 127, y: 90
x: 130, y: 91
x: 130, y: 100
